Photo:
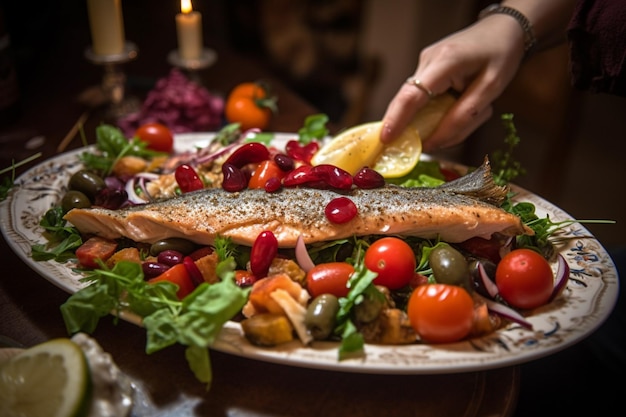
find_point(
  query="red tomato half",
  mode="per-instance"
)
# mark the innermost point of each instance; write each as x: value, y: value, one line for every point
x: 441, y: 313
x: 158, y: 137
x: 329, y: 278
x: 394, y: 261
x: 524, y: 279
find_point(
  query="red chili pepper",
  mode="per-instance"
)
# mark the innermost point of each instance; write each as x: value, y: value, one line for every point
x: 187, y: 178
x: 248, y: 153
x: 264, y: 250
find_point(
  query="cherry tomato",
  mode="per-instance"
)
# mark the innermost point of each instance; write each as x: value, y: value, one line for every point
x: 524, y: 279
x: 394, y: 261
x: 266, y: 170
x: 329, y: 278
x: 158, y: 137
x: 250, y: 105
x: 441, y: 313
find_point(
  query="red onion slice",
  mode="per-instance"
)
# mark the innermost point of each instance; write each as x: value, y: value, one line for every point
x: 505, y: 311
x: 302, y: 255
x: 561, y: 277
x: 487, y: 283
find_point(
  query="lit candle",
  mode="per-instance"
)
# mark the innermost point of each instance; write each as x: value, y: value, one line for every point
x: 189, y: 29
x: 107, y: 26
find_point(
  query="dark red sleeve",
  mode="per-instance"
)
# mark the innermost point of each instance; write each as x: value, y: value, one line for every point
x: 597, y: 38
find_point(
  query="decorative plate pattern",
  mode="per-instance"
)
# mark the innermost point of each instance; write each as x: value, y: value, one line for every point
x: 587, y: 301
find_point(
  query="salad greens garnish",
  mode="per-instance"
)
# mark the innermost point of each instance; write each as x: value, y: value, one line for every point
x: 113, y: 145
x: 194, y: 322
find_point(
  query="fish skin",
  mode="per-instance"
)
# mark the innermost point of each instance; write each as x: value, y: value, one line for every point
x: 453, y: 212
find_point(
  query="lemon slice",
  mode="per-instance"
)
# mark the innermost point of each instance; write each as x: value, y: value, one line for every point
x: 360, y: 145
x: 48, y: 380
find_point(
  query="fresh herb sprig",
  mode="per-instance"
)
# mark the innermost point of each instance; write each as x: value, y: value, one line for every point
x: 9, y: 182
x: 504, y: 167
x: 194, y: 322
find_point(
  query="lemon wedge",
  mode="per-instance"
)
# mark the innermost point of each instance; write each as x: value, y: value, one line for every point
x: 352, y: 149
x: 51, y: 379
x: 360, y: 145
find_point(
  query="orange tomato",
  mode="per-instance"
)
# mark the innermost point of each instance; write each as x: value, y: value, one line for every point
x: 250, y: 105
x: 441, y: 313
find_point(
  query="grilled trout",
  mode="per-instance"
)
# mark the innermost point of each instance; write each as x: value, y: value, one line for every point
x: 454, y: 212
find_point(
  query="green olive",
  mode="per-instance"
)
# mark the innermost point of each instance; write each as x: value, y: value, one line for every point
x: 87, y: 182
x: 320, y: 316
x: 181, y: 245
x: 450, y: 266
x: 74, y: 199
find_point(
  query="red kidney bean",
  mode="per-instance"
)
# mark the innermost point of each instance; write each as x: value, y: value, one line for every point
x: 264, y: 250
x: 299, y: 176
x: 333, y: 176
x: 170, y: 257
x: 193, y: 270
x: 367, y: 178
x: 340, y: 210
x: 234, y: 178
x: 299, y: 152
x: 153, y: 269
x: 248, y: 153
x: 273, y: 184
x: 187, y: 178
x: 284, y: 162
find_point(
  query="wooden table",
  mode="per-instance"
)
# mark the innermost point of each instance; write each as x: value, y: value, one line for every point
x: 29, y: 304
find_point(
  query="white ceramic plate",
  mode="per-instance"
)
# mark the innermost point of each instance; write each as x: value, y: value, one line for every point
x: 588, y: 299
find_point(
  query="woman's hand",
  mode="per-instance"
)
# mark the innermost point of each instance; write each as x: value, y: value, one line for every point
x: 477, y: 62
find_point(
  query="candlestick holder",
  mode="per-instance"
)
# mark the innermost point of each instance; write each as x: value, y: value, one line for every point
x: 114, y: 80
x: 193, y: 66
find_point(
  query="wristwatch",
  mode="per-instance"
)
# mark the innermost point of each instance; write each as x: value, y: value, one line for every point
x: 529, y: 37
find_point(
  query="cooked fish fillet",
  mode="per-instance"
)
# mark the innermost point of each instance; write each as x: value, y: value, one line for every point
x: 454, y: 212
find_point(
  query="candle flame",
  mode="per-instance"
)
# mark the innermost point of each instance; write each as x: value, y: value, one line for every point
x: 185, y: 6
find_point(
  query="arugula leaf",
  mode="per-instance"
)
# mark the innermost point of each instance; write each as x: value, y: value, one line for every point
x: 314, y: 128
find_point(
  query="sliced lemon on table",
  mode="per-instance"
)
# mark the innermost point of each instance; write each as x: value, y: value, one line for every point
x: 360, y: 145
x: 51, y: 379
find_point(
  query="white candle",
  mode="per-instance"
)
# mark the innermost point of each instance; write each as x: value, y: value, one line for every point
x: 189, y: 29
x: 107, y: 26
